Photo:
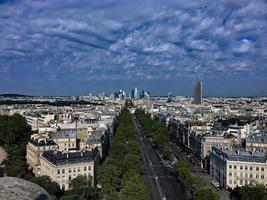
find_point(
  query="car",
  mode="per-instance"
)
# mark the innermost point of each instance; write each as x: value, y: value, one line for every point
x: 216, y: 184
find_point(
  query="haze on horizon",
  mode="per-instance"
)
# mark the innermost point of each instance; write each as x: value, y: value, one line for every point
x: 77, y: 47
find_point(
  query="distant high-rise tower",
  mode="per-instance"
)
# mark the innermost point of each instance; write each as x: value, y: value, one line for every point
x: 197, y: 92
x: 135, y: 93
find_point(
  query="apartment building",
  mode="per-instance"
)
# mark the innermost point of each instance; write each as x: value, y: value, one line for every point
x: 81, y: 128
x: 202, y: 143
x: 63, y: 167
x: 36, y: 120
x: 232, y: 168
x: 65, y: 139
x: 32, y: 120
x: 38, y: 144
x: 45, y: 119
x: 257, y: 141
x: 99, y: 140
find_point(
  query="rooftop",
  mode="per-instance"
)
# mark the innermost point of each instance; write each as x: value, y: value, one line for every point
x: 241, y: 155
x: 60, y: 158
x: 66, y: 133
x: 260, y: 137
x: 42, y: 142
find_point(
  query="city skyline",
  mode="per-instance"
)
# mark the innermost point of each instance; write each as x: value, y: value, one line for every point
x: 77, y: 47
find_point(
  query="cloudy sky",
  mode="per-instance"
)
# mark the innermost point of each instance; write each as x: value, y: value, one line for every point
x: 59, y: 47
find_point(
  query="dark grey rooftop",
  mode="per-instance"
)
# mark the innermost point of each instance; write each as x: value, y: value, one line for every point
x: 260, y: 137
x: 65, y: 133
x: 241, y: 155
x: 60, y: 158
x: 45, y: 142
x: 33, y: 114
x: 96, y: 138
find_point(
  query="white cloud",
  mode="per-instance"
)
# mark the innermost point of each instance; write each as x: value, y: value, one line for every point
x: 126, y: 38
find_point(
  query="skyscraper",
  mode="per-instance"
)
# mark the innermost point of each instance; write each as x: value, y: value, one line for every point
x: 197, y: 92
x: 135, y: 93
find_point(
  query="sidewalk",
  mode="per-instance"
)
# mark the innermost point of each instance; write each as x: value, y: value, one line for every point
x: 199, y: 172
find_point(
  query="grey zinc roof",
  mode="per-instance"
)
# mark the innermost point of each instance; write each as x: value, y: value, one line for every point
x: 45, y: 142
x: 66, y: 133
x: 60, y: 158
x: 260, y: 137
x: 241, y: 155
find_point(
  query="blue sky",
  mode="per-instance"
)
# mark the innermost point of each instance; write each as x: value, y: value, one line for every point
x: 75, y: 47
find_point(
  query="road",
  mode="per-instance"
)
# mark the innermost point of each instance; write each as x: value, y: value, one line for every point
x: 159, y: 178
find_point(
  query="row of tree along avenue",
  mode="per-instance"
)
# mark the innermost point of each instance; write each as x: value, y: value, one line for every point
x: 193, y: 184
x: 198, y: 189
x: 158, y: 131
x: 159, y: 134
x: 120, y: 176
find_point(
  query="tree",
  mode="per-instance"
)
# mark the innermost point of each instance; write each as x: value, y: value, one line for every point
x: 13, y: 129
x: 50, y: 186
x: 183, y: 172
x: 82, y: 185
x: 133, y: 187
x: 14, y: 135
x: 157, y: 130
x: 206, y: 194
x: 251, y: 192
x: 132, y: 162
x: 109, y: 177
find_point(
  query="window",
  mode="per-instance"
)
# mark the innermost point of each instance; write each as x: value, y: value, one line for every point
x: 251, y: 168
x: 246, y: 167
x: 257, y: 168
x: 230, y: 173
x: 89, y: 168
x: 69, y: 177
x: 74, y: 169
x: 85, y: 168
x: 58, y: 171
x: 230, y: 166
x: 257, y: 176
x: 250, y: 175
x: 63, y: 171
x: 234, y: 166
x: 78, y: 169
x: 262, y: 176
x: 230, y: 181
x: 69, y: 170
x: 262, y: 169
x: 241, y: 182
x: 241, y: 167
